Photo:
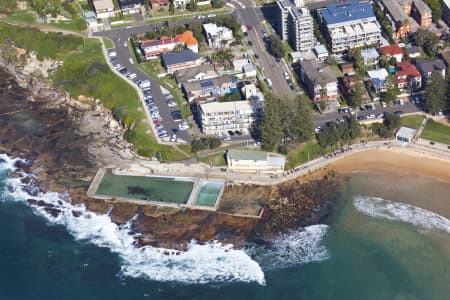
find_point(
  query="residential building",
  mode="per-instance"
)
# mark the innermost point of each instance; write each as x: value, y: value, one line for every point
x: 90, y: 18
x: 219, y: 117
x: 408, y: 77
x: 370, y: 56
x: 249, y: 70
x: 295, y: 25
x: 321, y: 52
x: 320, y: 82
x: 244, y: 68
x: 131, y: 6
x: 421, y: 13
x: 378, y: 79
x: 152, y: 48
x: 426, y: 67
x: 393, y: 51
x: 349, y: 25
x: 445, y: 6
x: 217, y: 36
x: 413, y: 51
x: 212, y: 87
x: 103, y: 8
x: 251, y: 160
x: 181, y: 4
x: 347, y: 68
x: 204, y: 71
x: 249, y: 90
x: 401, y: 24
x: 405, y: 134
x: 296, y: 56
x: 180, y: 60
x: 157, y: 5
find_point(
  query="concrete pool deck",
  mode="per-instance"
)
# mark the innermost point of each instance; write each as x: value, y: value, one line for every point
x: 198, y: 184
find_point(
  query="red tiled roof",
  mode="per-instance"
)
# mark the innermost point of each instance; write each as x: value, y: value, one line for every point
x: 391, y: 50
x: 159, y: 1
x: 407, y: 69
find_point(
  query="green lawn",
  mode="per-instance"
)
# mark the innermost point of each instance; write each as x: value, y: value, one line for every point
x: 302, y: 153
x: 437, y: 132
x: 412, y: 121
x: 216, y: 160
x: 22, y: 17
x: 108, y: 43
x: 85, y: 72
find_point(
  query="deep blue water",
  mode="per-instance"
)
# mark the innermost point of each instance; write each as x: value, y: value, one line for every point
x: 368, y: 258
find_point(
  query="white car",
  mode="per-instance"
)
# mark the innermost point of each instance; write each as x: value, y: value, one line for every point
x: 211, y: 15
x: 172, y: 104
x: 317, y: 129
x: 372, y: 116
x: 227, y: 138
x: 132, y: 76
x: 183, y: 126
x: 173, y: 138
x: 118, y: 66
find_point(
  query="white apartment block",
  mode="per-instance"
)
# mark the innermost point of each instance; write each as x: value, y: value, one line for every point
x: 295, y: 25
x: 218, y: 117
x: 349, y: 25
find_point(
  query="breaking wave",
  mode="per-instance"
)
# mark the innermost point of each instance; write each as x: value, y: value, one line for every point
x: 381, y: 208
x: 297, y: 247
x: 213, y: 262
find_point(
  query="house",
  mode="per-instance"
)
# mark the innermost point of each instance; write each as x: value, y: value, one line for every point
x: 421, y: 13
x: 347, y: 68
x: 297, y: 55
x: 426, y: 67
x: 103, y: 8
x: 219, y: 117
x: 251, y: 160
x: 212, y: 87
x: 378, y: 79
x: 157, y: 5
x: 131, y: 6
x: 349, y: 24
x: 204, y: 71
x: 152, y: 48
x: 249, y: 90
x: 90, y: 18
x: 405, y: 134
x: 245, y: 67
x: 321, y: 52
x: 217, y: 36
x: 370, y: 56
x: 445, y: 6
x: 249, y: 70
x: 393, y: 51
x: 413, y: 52
x: 238, y: 64
x: 180, y: 60
x: 320, y: 81
x: 400, y: 21
x: 408, y: 77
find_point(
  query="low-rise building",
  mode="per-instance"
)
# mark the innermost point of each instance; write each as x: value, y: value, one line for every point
x: 152, y: 48
x: 219, y: 117
x: 408, y: 77
x: 349, y: 24
x: 426, y: 67
x: 249, y: 90
x: 401, y: 24
x: 321, y: 52
x: 204, y: 71
x: 90, y: 18
x: 393, y: 51
x: 405, y: 134
x: 103, y: 8
x: 378, y: 79
x: 249, y: 70
x: 213, y: 87
x: 180, y: 60
x: 157, y: 5
x: 347, y: 68
x: 131, y: 6
x: 217, y: 36
x: 413, y: 51
x: 320, y: 82
x: 370, y: 56
x: 251, y: 160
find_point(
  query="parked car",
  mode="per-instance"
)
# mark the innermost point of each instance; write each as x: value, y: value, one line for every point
x: 171, y: 104
x: 173, y: 138
x: 183, y: 126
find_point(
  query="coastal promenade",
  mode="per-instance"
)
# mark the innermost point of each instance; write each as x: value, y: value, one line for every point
x: 232, y: 177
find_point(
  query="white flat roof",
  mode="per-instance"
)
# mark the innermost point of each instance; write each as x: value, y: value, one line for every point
x: 406, y: 132
x: 103, y: 4
x: 378, y: 73
x: 215, y: 107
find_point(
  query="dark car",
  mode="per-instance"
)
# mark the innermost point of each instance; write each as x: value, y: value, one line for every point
x: 250, y: 43
x: 230, y: 132
x: 361, y: 118
x: 398, y: 112
x: 256, y: 56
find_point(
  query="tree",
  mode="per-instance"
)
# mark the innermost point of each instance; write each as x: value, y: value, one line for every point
x: 436, y: 9
x: 435, y: 93
x: 426, y: 39
x: 392, y: 90
x: 217, y: 3
x: 357, y: 93
x: 171, y: 8
x: 304, y: 115
x: 8, y: 6
x: 276, y: 46
x: 271, y: 126
x: 355, y: 55
x: 193, y: 5
x: 223, y: 56
x: 386, y: 129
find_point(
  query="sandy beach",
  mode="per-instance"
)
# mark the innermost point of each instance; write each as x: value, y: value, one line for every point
x: 394, y: 162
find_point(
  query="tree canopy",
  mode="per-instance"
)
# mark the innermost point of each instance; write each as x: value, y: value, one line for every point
x: 276, y: 46
x: 338, y: 134
x: 436, y: 93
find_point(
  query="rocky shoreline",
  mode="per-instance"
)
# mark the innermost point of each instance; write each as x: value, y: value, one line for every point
x: 66, y: 140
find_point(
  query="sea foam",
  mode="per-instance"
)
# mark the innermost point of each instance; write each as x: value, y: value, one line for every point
x: 396, y: 211
x: 213, y: 262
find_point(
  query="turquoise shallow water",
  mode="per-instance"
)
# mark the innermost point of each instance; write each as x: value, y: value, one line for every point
x: 363, y: 257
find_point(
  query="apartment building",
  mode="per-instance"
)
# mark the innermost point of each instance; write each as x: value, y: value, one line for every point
x: 212, y: 87
x: 218, y: 117
x: 152, y: 48
x: 295, y: 25
x: 320, y: 82
x: 421, y: 13
x: 408, y: 77
x: 349, y: 24
x: 217, y: 36
x: 401, y: 24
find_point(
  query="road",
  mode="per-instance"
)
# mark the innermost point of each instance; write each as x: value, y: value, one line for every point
x: 120, y: 39
x: 252, y: 16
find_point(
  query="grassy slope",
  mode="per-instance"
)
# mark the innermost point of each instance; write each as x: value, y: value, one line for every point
x: 300, y: 154
x: 436, y: 132
x: 412, y: 121
x: 85, y: 72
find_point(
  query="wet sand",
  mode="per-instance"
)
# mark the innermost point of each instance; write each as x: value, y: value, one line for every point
x: 400, y: 162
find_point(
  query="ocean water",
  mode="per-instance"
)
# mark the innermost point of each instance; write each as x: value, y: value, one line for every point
x: 389, y: 239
